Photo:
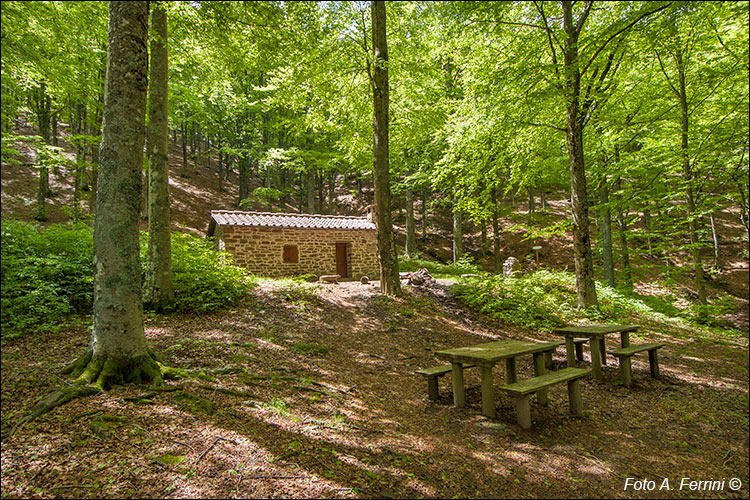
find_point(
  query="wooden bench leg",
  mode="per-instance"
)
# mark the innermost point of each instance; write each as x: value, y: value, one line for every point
x: 574, y: 396
x: 459, y: 395
x: 569, y: 349
x: 653, y: 361
x: 548, y: 360
x: 603, y: 350
x: 432, y: 389
x: 488, y: 392
x: 510, y: 365
x: 579, y: 352
x: 596, y: 366
x: 523, y: 410
x: 541, y: 395
x: 625, y: 371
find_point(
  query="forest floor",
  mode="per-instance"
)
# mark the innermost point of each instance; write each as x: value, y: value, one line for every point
x: 309, y: 391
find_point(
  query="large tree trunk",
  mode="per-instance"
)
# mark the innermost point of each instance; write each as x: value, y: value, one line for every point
x: 390, y: 283
x: 118, y: 351
x: 158, y: 292
x: 584, y: 265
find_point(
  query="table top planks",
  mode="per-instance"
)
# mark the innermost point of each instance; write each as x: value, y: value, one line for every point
x: 594, y: 330
x: 491, y: 352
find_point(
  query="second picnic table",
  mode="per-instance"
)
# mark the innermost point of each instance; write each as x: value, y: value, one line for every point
x: 596, y: 334
x: 485, y: 356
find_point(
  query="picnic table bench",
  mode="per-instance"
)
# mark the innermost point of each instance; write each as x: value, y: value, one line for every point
x: 596, y: 334
x: 522, y: 389
x: 624, y: 354
x: 432, y: 375
x: 485, y: 356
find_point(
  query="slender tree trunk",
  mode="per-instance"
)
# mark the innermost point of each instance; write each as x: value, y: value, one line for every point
x: 55, y: 138
x: 622, y: 224
x: 390, y: 284
x: 78, y: 124
x: 118, y: 351
x: 458, y: 235
x: 496, y: 233
x: 715, y: 235
x: 41, y: 195
x: 687, y: 175
x: 331, y: 192
x: 310, y: 182
x: 606, y: 227
x: 158, y: 292
x: 411, y: 239
x: 321, y: 197
x: 183, y: 136
x: 244, y: 178
x: 584, y: 265
x: 221, y: 172
x: 531, y: 200
x: 96, y: 130
x: 198, y: 141
x: 647, y: 225
x: 42, y: 104
x: 424, y: 214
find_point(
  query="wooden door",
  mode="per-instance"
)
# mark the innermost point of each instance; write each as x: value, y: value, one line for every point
x: 342, y: 266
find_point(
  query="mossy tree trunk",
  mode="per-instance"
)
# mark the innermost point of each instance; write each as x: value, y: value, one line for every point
x: 389, y: 277
x: 584, y: 264
x: 158, y: 292
x: 118, y: 351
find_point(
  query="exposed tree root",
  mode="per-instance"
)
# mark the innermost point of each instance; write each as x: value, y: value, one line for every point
x: 94, y: 374
x: 104, y: 372
x: 55, y: 399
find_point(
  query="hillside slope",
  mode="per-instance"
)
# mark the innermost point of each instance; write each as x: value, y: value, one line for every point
x: 193, y: 198
x: 309, y: 391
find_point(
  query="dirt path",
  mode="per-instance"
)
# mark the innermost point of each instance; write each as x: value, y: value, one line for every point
x: 320, y: 400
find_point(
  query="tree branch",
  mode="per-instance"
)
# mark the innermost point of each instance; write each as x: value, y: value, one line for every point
x: 606, y: 42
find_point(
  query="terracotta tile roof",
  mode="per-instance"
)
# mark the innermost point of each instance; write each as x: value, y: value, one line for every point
x: 305, y: 221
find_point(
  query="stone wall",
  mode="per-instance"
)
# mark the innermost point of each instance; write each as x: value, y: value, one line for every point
x: 261, y: 249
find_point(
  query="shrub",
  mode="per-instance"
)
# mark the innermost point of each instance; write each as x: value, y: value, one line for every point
x: 203, y: 278
x: 535, y: 300
x: 546, y: 299
x: 438, y: 270
x: 47, y: 274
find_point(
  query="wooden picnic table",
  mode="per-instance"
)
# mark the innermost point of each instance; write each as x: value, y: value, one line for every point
x: 596, y: 334
x: 485, y: 356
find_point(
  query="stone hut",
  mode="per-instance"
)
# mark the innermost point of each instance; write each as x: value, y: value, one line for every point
x: 279, y: 244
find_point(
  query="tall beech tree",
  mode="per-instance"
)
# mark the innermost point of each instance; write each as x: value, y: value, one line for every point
x: 117, y: 351
x: 158, y: 291
x: 387, y: 258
